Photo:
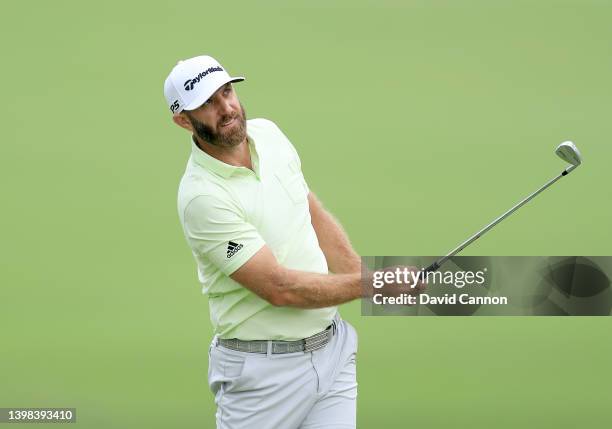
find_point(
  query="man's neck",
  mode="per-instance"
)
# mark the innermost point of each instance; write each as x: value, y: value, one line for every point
x: 238, y: 156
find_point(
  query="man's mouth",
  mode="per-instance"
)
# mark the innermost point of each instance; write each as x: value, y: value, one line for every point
x: 225, y: 124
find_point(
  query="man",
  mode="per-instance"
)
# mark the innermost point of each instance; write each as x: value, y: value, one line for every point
x: 272, y: 261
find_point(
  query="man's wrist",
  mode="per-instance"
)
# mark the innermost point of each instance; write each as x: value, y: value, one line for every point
x: 366, y: 277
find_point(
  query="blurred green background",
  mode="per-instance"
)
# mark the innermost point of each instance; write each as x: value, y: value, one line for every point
x: 417, y: 123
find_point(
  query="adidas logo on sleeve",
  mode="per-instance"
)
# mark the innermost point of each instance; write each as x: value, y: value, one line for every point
x: 233, y: 248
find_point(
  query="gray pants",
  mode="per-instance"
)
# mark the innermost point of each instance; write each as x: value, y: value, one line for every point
x: 287, y: 391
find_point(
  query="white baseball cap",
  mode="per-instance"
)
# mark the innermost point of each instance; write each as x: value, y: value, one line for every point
x: 191, y: 82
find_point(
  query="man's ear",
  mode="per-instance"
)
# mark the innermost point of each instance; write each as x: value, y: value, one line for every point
x: 182, y: 121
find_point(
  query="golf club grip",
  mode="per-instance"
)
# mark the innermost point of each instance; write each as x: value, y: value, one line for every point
x: 433, y: 267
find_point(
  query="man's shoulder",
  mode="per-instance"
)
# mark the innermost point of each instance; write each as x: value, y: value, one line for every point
x: 262, y: 124
x: 196, y: 183
x: 264, y: 130
x: 268, y: 136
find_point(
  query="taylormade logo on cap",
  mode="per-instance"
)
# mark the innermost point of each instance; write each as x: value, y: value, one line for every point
x: 190, y: 82
x: 193, y: 81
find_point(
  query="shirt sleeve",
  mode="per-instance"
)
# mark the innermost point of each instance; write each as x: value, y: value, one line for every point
x: 219, y: 231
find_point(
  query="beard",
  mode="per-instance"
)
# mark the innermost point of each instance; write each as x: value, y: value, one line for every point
x: 228, y: 138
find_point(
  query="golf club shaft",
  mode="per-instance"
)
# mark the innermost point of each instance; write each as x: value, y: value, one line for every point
x: 459, y: 248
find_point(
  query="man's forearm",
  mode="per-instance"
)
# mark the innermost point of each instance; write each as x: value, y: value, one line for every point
x: 281, y: 286
x: 312, y: 290
x: 284, y: 287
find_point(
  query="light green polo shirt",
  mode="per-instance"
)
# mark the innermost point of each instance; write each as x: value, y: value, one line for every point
x: 228, y: 213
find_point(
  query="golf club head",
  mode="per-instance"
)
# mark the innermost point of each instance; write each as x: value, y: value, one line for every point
x: 568, y: 152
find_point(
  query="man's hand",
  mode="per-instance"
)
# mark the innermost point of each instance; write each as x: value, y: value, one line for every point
x: 394, y: 281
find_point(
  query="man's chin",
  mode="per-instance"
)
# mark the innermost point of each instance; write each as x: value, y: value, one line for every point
x: 229, y: 140
x: 233, y: 136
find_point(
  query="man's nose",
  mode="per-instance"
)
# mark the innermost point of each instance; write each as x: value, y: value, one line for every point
x: 225, y: 107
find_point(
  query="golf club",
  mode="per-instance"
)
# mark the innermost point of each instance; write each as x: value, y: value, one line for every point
x: 567, y: 151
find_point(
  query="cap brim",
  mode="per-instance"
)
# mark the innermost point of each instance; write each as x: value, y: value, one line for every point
x: 205, y: 96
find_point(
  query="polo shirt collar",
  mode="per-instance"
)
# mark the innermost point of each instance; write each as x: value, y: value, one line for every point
x: 219, y: 167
